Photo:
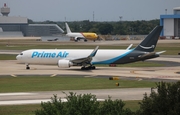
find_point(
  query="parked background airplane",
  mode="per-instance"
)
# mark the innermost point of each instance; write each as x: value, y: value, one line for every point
x: 65, y: 58
x: 81, y: 35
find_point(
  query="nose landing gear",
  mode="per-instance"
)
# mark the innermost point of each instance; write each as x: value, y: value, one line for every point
x: 27, y: 66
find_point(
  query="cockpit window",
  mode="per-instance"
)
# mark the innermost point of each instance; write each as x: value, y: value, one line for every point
x: 21, y: 53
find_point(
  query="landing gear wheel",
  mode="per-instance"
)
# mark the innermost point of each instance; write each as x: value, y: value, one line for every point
x: 93, y: 67
x: 27, y: 67
x: 83, y: 68
x: 88, y: 68
x: 85, y: 40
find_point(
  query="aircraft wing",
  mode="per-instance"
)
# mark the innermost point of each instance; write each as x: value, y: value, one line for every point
x: 129, y: 46
x: 85, y: 60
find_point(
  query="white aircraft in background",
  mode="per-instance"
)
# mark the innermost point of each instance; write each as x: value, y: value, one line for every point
x: 81, y: 35
x: 66, y: 58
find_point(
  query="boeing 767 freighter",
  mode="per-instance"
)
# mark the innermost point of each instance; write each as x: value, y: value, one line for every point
x: 81, y: 35
x: 87, y: 58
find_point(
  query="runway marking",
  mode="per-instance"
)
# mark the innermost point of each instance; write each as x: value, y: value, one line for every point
x: 90, y: 76
x: 53, y: 75
x: 23, y: 102
x: 165, y: 76
x: 140, y: 79
x: 9, y: 94
x: 13, y: 75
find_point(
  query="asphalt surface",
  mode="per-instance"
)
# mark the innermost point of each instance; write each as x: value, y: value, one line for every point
x: 101, y: 95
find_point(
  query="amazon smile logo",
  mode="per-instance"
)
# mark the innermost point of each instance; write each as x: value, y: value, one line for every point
x: 153, y: 46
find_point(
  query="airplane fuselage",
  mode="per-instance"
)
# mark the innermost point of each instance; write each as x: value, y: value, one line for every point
x: 83, y: 35
x: 42, y: 56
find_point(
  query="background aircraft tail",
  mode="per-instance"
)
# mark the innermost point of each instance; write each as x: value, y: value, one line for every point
x: 67, y: 28
x: 149, y: 43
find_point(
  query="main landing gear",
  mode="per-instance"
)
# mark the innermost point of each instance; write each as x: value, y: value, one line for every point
x: 27, y: 66
x: 88, y: 68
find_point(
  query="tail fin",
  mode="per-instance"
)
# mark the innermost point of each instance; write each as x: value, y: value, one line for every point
x: 149, y: 43
x: 67, y: 28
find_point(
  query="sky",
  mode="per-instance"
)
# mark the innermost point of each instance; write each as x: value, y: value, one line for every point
x: 97, y: 10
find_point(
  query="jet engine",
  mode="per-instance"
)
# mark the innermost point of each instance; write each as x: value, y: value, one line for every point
x: 64, y: 63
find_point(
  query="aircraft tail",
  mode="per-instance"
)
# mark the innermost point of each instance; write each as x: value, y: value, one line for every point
x: 149, y: 43
x: 67, y: 28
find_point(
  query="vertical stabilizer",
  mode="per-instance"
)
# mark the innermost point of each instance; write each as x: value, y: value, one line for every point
x: 67, y: 28
x: 149, y: 43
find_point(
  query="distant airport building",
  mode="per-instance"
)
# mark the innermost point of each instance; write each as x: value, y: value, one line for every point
x: 18, y: 26
x: 171, y: 24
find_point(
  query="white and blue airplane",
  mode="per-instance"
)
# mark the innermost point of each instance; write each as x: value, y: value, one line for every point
x: 87, y: 58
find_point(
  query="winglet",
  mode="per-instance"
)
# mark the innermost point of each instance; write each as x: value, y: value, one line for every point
x: 67, y: 28
x: 94, y: 52
x: 129, y: 46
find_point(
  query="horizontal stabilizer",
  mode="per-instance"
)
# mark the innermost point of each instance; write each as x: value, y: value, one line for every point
x: 160, y: 52
x: 147, y: 54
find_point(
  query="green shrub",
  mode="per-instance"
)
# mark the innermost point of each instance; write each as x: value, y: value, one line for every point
x: 85, y: 104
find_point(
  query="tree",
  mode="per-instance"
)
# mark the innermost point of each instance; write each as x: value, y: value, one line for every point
x: 116, y: 107
x: 105, y: 29
x: 165, y: 102
x: 85, y: 104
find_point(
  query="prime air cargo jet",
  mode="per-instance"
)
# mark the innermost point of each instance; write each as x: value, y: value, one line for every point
x: 81, y: 35
x: 87, y: 58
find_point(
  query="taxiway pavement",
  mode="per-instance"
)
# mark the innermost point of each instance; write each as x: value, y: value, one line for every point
x: 101, y: 95
x: 13, y: 68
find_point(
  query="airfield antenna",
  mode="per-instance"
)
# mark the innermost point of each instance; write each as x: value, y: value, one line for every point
x: 120, y: 17
x: 166, y: 11
x: 93, y: 16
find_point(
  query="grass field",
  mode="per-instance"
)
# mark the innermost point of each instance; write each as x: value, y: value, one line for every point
x: 47, y: 83
x: 19, y: 109
x: 8, y: 57
x: 29, y: 109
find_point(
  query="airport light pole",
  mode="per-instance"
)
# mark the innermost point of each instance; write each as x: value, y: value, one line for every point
x: 120, y: 17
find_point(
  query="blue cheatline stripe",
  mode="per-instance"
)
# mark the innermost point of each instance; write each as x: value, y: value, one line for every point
x: 113, y: 59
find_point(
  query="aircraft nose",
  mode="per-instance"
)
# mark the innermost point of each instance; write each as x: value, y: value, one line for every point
x: 18, y: 57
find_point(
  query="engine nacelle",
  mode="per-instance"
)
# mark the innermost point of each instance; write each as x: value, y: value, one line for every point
x: 64, y: 63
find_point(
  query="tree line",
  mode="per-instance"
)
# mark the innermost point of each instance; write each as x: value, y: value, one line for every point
x: 164, y: 100
x: 104, y: 28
